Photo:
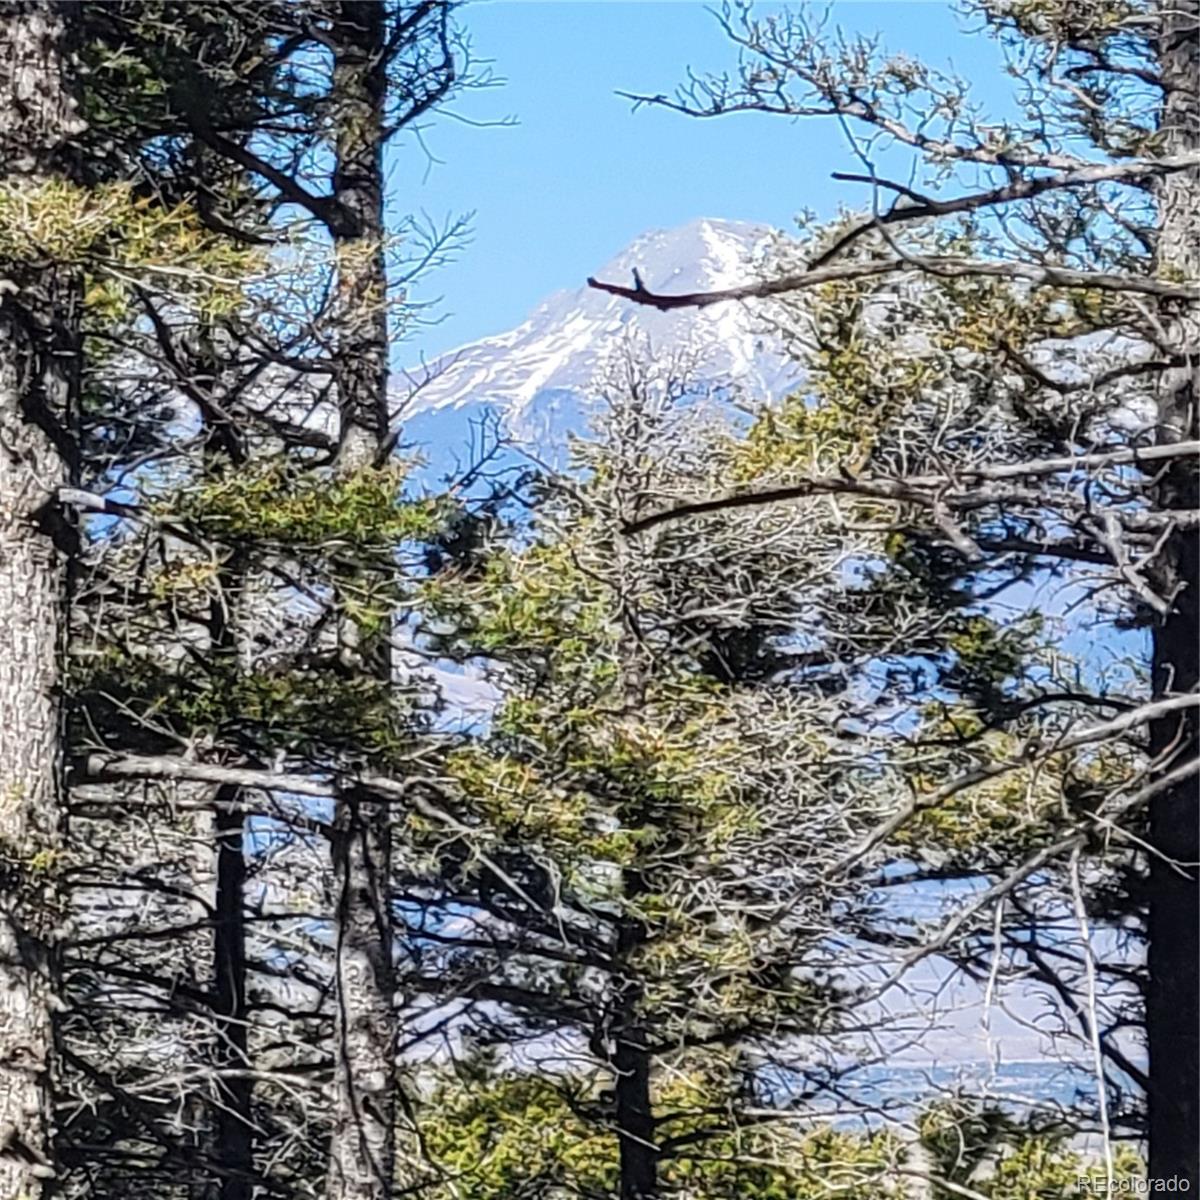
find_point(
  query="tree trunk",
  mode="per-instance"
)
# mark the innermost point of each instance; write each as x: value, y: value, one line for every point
x: 362, y: 1150
x: 359, y: 88
x: 635, y: 1118
x: 232, y: 1123
x: 234, y: 1135
x: 1172, y: 1007
x: 38, y: 368
x: 631, y: 1061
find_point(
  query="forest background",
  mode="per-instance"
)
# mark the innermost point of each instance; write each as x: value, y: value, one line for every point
x: 279, y: 922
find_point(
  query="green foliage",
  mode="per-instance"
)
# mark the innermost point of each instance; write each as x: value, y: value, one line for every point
x: 673, y: 760
x: 852, y: 390
x: 1006, y: 1159
x: 271, y: 502
x: 308, y: 712
x: 983, y: 824
x: 600, y: 781
x: 515, y: 1139
x: 893, y: 366
x: 1071, y: 20
x: 122, y: 239
x: 990, y: 658
x: 529, y: 1137
x: 536, y: 600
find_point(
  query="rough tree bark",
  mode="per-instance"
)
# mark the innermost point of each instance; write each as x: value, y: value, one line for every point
x: 1173, y: 995
x: 362, y: 1148
x: 38, y: 368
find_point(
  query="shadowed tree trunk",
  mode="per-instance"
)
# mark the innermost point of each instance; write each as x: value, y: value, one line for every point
x: 362, y: 1149
x: 233, y: 1122
x: 1172, y: 1008
x: 232, y: 1127
x: 234, y: 1136
x: 634, y: 1109
x: 38, y: 368
x: 631, y: 1062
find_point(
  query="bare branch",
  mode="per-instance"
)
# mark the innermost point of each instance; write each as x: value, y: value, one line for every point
x: 922, y: 207
x: 915, y: 489
x: 945, y: 266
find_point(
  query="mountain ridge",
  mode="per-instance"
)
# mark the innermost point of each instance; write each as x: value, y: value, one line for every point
x: 537, y: 377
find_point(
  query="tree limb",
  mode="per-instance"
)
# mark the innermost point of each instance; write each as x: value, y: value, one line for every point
x: 917, y: 489
x: 946, y: 266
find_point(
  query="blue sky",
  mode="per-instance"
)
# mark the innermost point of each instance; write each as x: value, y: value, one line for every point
x: 580, y: 174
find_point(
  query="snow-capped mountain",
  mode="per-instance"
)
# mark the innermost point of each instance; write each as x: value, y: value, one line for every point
x: 538, y: 376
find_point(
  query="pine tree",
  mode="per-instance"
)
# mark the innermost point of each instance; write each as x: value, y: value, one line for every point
x: 1033, y: 413
x: 637, y: 848
x: 214, y: 358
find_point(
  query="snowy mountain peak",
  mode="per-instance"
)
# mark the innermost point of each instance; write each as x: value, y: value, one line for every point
x: 539, y: 376
x: 700, y: 256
